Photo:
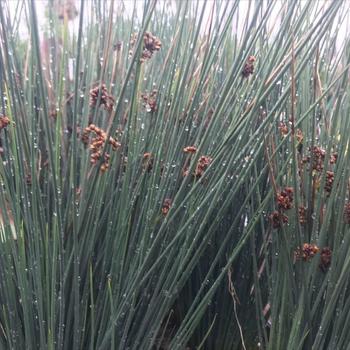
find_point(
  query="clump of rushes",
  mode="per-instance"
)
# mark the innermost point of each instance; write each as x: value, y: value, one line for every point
x: 285, y: 199
x: 150, y: 44
x: 150, y: 101
x: 329, y: 182
x: 4, y: 122
x: 277, y: 219
x: 190, y: 149
x: 202, y: 165
x: 326, y: 258
x: 106, y: 100
x: 248, y: 68
x: 97, y: 144
x: 148, y: 161
x: 166, y: 206
x: 306, y: 252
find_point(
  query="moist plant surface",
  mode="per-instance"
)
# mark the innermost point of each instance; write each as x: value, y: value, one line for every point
x: 174, y: 175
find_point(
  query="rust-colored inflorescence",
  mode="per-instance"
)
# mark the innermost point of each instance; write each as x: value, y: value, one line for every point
x: 278, y: 219
x: 97, y: 144
x: 326, y: 258
x: 148, y: 161
x: 334, y: 157
x: 202, y: 165
x: 283, y: 128
x: 248, y: 68
x: 150, y: 44
x: 302, y: 215
x: 285, y: 198
x: 190, y: 149
x: 166, y: 206
x: 150, y: 101
x: 307, y: 252
x: 347, y: 212
x: 106, y: 100
x: 4, y: 122
x: 329, y: 182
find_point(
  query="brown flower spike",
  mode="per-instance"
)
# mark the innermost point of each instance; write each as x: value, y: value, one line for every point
x: 248, y: 68
x: 190, y: 149
x: 148, y: 161
x: 97, y: 144
x: 106, y: 100
x: 278, y: 219
x: 307, y: 252
x: 285, y: 199
x: 4, y: 122
x: 202, y: 165
x: 326, y: 258
x: 166, y: 206
x: 150, y: 44
x: 150, y: 101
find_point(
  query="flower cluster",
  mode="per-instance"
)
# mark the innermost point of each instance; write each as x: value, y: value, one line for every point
x: 302, y: 215
x: 326, y: 258
x: 148, y: 161
x: 190, y: 149
x: 106, y: 100
x: 166, y: 206
x: 306, y: 252
x: 97, y: 144
x: 285, y: 199
x: 347, y: 212
x: 248, y: 68
x: 202, y: 165
x: 277, y: 219
x: 150, y: 44
x: 150, y: 101
x: 283, y: 128
x: 329, y: 182
x: 4, y: 121
x: 284, y: 202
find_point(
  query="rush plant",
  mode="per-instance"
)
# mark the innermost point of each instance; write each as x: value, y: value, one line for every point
x: 174, y: 175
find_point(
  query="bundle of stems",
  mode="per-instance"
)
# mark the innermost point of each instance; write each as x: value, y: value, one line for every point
x: 174, y: 175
